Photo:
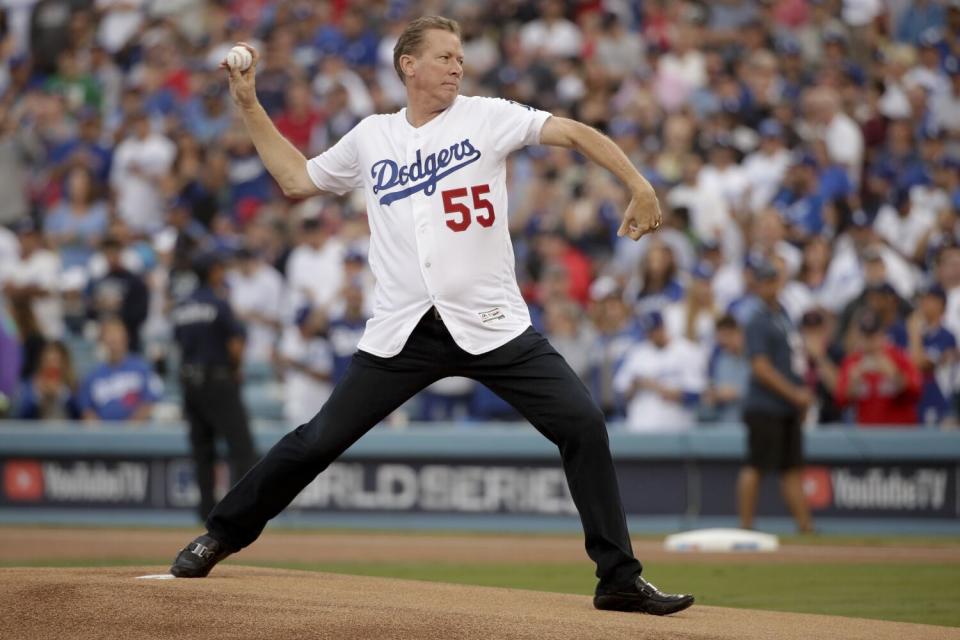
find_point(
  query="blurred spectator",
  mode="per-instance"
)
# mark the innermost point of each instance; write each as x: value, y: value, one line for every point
x: 20, y: 151
x: 257, y: 296
x: 119, y: 293
x: 319, y: 251
x: 656, y: 282
x: 728, y: 374
x: 346, y: 326
x: 878, y: 379
x: 300, y: 119
x: 307, y: 361
x: 875, y: 281
x: 76, y: 225
x: 615, y: 331
x: 933, y: 349
x: 823, y: 358
x: 33, y: 280
x: 694, y: 317
x: 139, y: 163
x: 551, y: 35
x: 948, y: 277
x: 85, y: 149
x: 775, y: 405
x: 122, y: 387
x: 51, y: 393
x: 211, y: 353
x: 564, y: 328
x: 765, y: 168
x: 903, y: 225
x: 661, y: 379
x: 10, y: 358
x: 838, y: 130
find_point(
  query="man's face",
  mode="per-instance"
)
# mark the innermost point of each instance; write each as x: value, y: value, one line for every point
x: 114, y: 338
x: 438, y: 68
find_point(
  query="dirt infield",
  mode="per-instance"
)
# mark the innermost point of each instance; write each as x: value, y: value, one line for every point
x: 33, y: 545
x: 247, y: 602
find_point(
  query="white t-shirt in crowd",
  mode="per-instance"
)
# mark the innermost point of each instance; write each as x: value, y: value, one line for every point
x: 303, y: 395
x: 764, y: 174
x: 844, y: 141
x: 139, y: 200
x: 679, y: 365
x: 436, y: 200
x: 261, y: 292
x: 315, y: 276
x: 42, y: 269
x: 561, y: 39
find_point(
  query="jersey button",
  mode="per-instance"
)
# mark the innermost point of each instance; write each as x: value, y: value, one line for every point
x: 426, y: 264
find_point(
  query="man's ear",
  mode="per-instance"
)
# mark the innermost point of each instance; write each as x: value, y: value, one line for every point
x: 408, y: 65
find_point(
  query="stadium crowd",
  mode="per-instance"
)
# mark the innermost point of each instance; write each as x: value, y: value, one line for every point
x: 815, y: 143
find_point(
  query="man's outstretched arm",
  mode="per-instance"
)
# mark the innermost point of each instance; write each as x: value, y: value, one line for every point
x: 283, y: 160
x: 643, y: 212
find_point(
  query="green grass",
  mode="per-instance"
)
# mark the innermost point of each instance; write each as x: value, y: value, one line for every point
x: 919, y: 592
x: 924, y: 593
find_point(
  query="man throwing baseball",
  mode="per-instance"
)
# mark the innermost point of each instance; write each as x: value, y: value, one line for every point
x: 447, y: 301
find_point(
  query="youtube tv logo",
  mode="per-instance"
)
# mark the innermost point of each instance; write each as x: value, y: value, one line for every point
x: 23, y: 480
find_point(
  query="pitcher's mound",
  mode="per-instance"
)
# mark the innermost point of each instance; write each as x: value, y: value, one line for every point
x: 246, y: 602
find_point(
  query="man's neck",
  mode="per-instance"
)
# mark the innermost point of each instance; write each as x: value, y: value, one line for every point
x: 420, y: 111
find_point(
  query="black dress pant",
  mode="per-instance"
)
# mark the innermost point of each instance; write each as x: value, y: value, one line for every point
x: 214, y: 409
x: 527, y: 372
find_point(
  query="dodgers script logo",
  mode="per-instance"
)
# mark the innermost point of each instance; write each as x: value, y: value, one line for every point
x: 423, y: 173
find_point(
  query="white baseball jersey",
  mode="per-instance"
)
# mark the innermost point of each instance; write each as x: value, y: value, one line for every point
x: 437, y: 205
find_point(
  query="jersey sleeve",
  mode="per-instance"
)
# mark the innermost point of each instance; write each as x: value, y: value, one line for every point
x: 757, y: 337
x: 337, y: 170
x: 513, y: 125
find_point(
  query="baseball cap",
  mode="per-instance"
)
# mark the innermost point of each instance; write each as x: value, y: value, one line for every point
x: 936, y: 291
x: 302, y: 314
x: 770, y: 128
x: 804, y: 159
x: 25, y: 226
x: 651, y: 321
x: 860, y: 219
x: 762, y: 268
x: 353, y: 255
x: 930, y: 37
x: 703, y: 270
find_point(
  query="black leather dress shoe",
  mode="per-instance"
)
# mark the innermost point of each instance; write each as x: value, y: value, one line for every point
x: 197, y: 558
x: 642, y: 597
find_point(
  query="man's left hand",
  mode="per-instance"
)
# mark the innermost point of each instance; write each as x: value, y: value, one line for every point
x: 641, y: 217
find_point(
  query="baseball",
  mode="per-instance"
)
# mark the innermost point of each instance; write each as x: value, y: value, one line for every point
x: 239, y: 58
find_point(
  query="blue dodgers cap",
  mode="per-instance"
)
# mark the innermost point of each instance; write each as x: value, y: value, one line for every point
x: 651, y: 320
x: 936, y: 291
x: 761, y: 268
x: 860, y: 219
x: 804, y: 159
x: 770, y: 128
x: 703, y: 270
x: 302, y: 314
x: 25, y: 226
x: 352, y: 255
x: 789, y: 46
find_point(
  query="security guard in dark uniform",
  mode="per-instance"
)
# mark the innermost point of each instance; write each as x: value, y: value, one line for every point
x: 211, y: 343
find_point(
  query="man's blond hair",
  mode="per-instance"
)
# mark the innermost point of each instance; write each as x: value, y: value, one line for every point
x: 411, y: 40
